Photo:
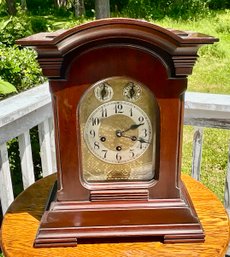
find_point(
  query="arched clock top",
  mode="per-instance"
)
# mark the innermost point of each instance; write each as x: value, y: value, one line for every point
x: 177, y: 48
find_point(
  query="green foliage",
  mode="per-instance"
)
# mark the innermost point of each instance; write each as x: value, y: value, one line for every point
x: 62, y: 12
x: 15, y: 168
x: 214, y: 157
x: 19, y: 67
x: 217, y: 4
x: 3, y: 10
x: 211, y: 72
x: 6, y: 87
x: 138, y: 9
x: 14, y: 159
x: 40, y: 7
x: 158, y: 9
x: 13, y: 28
x: 39, y: 24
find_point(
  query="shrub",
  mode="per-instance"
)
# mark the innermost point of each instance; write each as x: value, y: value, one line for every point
x: 19, y: 67
x: 39, y: 7
x: 39, y: 24
x: 138, y: 9
x: 14, y: 28
x: 6, y: 88
x: 3, y: 11
x: 158, y: 9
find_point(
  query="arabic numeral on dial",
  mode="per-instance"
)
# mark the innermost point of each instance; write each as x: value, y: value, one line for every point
x: 95, y: 121
x: 118, y: 157
x: 104, y: 153
x: 141, y: 119
x: 131, y: 112
x: 104, y: 113
x: 96, y: 145
x: 119, y: 108
x: 140, y: 145
x: 145, y: 132
x: 92, y: 133
x: 132, y: 154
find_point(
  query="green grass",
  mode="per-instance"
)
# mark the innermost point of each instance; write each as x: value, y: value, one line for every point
x: 211, y: 72
x: 210, y: 75
x: 214, y: 157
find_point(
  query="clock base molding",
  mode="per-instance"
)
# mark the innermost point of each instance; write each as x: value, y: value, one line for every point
x: 169, y: 220
x: 64, y: 237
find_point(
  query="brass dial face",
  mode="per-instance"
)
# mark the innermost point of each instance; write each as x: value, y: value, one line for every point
x: 107, y: 139
x: 118, y: 131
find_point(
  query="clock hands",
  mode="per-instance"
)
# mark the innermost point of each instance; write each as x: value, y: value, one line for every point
x: 133, y: 138
x: 132, y: 127
x: 120, y: 133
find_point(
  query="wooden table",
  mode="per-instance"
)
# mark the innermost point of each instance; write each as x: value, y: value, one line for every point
x: 21, y: 222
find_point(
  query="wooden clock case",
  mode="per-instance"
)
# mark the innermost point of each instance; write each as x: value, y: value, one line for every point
x: 75, y: 59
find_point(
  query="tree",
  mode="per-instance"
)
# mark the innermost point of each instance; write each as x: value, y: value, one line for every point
x: 24, y: 4
x: 79, y: 8
x: 102, y: 9
x: 11, y: 7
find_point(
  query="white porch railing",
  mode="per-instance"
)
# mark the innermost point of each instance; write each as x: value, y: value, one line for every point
x: 22, y: 112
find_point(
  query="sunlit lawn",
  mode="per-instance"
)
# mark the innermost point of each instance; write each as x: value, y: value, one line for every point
x: 211, y: 74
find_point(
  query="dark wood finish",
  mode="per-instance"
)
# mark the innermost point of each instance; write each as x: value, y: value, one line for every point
x: 161, y: 59
x: 21, y: 222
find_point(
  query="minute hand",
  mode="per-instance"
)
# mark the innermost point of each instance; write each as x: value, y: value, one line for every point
x: 133, y: 127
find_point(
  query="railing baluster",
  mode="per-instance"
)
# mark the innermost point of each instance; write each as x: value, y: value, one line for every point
x: 227, y: 186
x: 52, y: 145
x: 45, y: 147
x: 26, y: 159
x: 197, y: 152
x: 6, y: 189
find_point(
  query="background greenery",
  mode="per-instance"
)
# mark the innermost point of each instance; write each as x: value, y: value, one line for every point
x: 211, y: 73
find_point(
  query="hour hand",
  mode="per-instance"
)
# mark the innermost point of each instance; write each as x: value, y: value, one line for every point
x: 133, y: 127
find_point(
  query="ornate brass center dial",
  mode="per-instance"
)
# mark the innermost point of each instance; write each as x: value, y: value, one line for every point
x: 107, y: 138
x: 118, y: 131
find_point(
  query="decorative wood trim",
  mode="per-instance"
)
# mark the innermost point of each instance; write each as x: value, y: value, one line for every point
x: 119, y: 195
x: 182, y: 45
x: 183, y: 64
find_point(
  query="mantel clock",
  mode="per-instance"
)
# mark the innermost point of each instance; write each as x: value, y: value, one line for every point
x: 117, y: 89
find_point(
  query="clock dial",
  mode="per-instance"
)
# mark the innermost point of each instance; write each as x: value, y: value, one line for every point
x: 113, y: 142
x: 118, y: 131
x: 103, y: 92
x: 132, y: 91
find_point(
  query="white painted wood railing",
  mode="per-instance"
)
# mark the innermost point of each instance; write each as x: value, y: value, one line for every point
x: 22, y: 112
x: 18, y: 115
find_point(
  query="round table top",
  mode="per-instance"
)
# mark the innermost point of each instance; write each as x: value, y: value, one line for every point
x: 21, y: 222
